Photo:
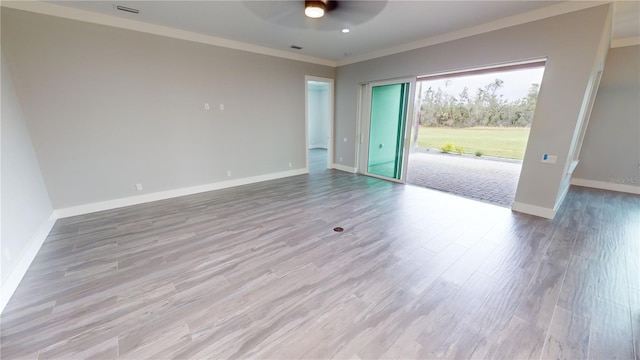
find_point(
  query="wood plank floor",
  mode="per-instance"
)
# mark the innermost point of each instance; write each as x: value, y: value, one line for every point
x: 257, y: 272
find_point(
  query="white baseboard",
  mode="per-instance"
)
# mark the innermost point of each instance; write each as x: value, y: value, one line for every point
x: 604, y: 185
x: 344, y: 168
x: 17, y: 273
x: 13, y: 279
x: 539, y: 210
x: 162, y: 195
x: 565, y: 191
x: 533, y: 210
x: 550, y: 213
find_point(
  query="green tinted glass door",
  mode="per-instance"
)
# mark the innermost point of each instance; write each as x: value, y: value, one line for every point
x: 387, y: 129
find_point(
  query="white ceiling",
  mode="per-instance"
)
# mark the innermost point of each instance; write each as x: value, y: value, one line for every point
x: 280, y: 24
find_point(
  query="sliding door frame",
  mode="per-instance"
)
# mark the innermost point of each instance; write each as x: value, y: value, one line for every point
x: 364, y: 125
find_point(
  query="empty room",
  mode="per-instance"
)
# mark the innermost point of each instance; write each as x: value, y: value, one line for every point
x: 228, y: 180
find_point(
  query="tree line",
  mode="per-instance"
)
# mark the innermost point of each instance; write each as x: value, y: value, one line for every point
x: 484, y: 108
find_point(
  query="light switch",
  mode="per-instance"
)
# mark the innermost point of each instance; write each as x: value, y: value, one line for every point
x: 549, y: 159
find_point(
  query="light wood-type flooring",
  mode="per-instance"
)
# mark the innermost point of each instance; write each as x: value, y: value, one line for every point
x: 257, y: 272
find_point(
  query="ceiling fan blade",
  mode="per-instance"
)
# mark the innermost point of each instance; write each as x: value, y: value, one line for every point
x: 274, y: 11
x: 357, y: 12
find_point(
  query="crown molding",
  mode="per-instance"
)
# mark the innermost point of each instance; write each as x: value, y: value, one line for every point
x: 136, y: 25
x: 630, y: 41
x: 534, y: 15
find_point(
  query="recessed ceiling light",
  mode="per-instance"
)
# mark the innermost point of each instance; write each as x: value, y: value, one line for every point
x: 345, y: 30
x: 296, y: 47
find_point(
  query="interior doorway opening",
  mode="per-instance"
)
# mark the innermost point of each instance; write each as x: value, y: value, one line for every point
x: 319, y: 123
x: 470, y: 130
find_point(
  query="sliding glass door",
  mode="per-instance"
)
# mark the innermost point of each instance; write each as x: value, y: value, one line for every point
x: 385, y: 128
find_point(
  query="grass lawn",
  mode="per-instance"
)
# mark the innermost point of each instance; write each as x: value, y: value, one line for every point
x: 499, y: 142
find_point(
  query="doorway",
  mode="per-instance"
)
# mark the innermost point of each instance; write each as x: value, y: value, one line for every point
x: 387, y: 108
x: 471, y: 129
x: 319, y: 123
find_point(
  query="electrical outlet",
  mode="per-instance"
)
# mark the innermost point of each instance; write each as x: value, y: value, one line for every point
x: 228, y: 172
x: 139, y: 187
x: 221, y: 106
x: 341, y: 159
x: 206, y: 106
x: 290, y: 164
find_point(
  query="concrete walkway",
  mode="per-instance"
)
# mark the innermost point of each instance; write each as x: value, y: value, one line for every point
x: 478, y: 178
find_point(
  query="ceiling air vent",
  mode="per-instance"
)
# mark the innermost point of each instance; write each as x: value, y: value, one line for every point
x: 296, y: 47
x: 127, y: 9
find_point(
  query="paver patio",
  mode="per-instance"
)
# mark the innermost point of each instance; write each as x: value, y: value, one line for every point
x: 480, y: 178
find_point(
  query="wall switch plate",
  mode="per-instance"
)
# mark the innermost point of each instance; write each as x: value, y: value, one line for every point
x: 290, y: 164
x: 139, y: 187
x: 221, y: 106
x: 345, y: 139
x: 549, y: 159
x: 206, y: 106
x: 228, y: 172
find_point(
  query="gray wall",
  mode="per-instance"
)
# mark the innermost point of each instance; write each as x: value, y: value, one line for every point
x: 24, y: 198
x: 611, y: 148
x: 108, y: 108
x: 570, y: 43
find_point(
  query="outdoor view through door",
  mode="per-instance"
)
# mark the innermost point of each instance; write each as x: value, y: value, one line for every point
x: 470, y: 131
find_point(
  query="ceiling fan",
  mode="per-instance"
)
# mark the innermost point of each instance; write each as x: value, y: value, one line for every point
x: 316, y: 14
x: 316, y: 8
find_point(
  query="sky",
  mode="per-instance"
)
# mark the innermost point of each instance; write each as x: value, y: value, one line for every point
x: 516, y: 82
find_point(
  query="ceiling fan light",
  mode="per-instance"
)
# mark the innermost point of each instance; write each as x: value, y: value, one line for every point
x: 314, y: 9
